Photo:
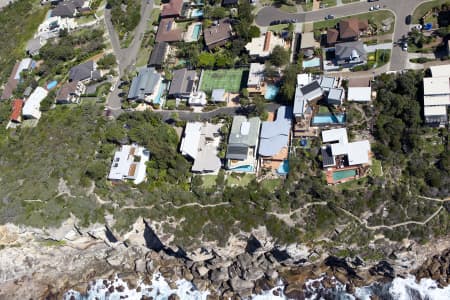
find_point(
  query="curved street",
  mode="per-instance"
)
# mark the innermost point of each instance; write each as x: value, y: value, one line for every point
x: 400, y: 8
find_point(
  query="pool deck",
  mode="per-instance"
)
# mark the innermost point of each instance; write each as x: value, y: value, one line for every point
x: 190, y: 30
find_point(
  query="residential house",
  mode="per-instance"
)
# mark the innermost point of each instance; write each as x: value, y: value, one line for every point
x: 31, y: 109
x: 84, y: 72
x: 200, y: 143
x: 348, y: 30
x: 70, y: 9
x: 335, y: 96
x: 52, y: 27
x: 183, y: 83
x: 359, y: 90
x: 274, y: 141
x: 218, y: 34
x: 350, y: 53
x: 168, y: 32
x: 129, y: 164
x: 197, y: 98
x: 242, y: 144
x: 307, y: 90
x: 255, y: 82
x: 436, y: 99
x: 145, y: 86
x: 338, y: 154
x: 158, y: 55
x: 172, y: 9
x: 70, y: 92
x: 16, y: 113
x: 25, y: 65
x: 261, y: 47
x: 34, y: 45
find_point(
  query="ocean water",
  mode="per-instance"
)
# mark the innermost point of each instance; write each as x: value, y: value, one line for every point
x: 399, y: 289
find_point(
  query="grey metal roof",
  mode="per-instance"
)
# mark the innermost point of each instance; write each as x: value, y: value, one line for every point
x: 238, y: 152
x: 182, y: 82
x: 158, y: 54
x: 335, y: 95
x: 275, y: 135
x: 143, y: 84
x: 304, y: 94
x: 82, y: 71
x: 327, y: 82
x: 218, y: 95
x: 34, y: 45
x: 244, y: 131
x: 347, y: 51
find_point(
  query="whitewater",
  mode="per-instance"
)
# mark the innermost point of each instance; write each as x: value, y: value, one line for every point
x: 159, y: 289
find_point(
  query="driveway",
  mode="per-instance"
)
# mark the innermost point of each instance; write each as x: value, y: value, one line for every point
x: 400, y: 8
x: 373, y: 48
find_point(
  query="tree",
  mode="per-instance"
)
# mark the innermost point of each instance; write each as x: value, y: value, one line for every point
x: 279, y: 56
x: 223, y: 59
x: 206, y: 60
x: 254, y: 32
x: 107, y: 61
x: 289, y: 82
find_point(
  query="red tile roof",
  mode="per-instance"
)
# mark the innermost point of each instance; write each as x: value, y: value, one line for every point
x: 350, y: 28
x: 17, y: 105
x: 12, y: 83
x: 171, y: 9
x: 332, y: 36
x: 166, y: 32
x: 267, y: 41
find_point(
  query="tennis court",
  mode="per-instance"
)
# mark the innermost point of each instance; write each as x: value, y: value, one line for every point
x: 230, y: 80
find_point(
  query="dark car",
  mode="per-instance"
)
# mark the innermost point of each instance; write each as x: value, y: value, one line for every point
x: 286, y: 21
x: 275, y: 22
x: 408, y: 20
x: 329, y: 17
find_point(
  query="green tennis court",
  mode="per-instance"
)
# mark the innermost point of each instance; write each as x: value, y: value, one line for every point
x: 230, y: 80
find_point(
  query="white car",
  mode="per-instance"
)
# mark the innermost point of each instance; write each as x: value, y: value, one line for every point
x: 376, y: 7
x: 405, y: 47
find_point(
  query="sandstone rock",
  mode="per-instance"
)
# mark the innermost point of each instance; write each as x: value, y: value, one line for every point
x: 239, y: 285
x: 219, y: 275
x: 200, y: 284
x: 253, y: 274
x: 341, y: 277
x: 140, y: 265
x: 202, y: 271
x: 294, y: 291
x: 245, y: 260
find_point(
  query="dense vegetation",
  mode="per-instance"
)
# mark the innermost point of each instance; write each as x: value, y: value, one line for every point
x: 18, y: 23
x: 125, y: 15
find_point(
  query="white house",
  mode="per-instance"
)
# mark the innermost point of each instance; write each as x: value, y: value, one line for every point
x: 436, y: 95
x: 200, y: 143
x: 359, y: 94
x: 197, y: 98
x: 33, y: 103
x: 129, y: 164
x: 262, y: 46
x: 51, y: 27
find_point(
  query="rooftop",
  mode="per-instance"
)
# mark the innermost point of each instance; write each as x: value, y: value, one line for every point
x: 262, y: 46
x: 335, y: 135
x: 436, y: 86
x: 182, y: 82
x: 144, y: 84
x: 158, y: 54
x: 256, y: 74
x: 221, y: 31
x: 361, y: 94
x: 16, y: 112
x: 308, y: 40
x: 435, y: 110
x: 124, y: 165
x: 275, y: 135
x: 350, y: 28
x: 353, y: 51
x: 218, y: 95
x: 440, y: 71
x: 82, y: 71
x: 167, y: 31
x: 244, y: 131
x: 33, y: 103
x: 357, y: 152
x: 173, y: 8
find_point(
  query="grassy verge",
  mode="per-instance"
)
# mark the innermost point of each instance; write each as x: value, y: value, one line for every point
x: 307, y: 6
x: 18, y: 23
x: 423, y: 8
x: 288, y: 8
x: 375, y: 18
x: 278, y: 28
x: 349, y: 1
x: 328, y: 3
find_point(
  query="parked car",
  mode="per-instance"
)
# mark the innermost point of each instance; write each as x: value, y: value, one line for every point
x: 408, y: 19
x: 405, y: 46
x: 373, y: 0
x: 275, y: 22
x: 371, y: 8
x: 285, y: 21
x: 329, y: 17
x: 376, y: 7
x: 322, y: 5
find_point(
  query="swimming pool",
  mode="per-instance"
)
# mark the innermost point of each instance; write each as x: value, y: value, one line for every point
x: 315, y: 62
x: 339, y: 175
x: 157, y: 99
x: 328, y: 119
x: 246, y: 168
x: 196, y: 31
x: 283, y: 169
x: 52, y: 85
x: 196, y: 12
x: 271, y: 91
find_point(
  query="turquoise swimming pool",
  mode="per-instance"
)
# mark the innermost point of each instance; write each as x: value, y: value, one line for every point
x: 284, y: 168
x: 315, y: 62
x: 52, y: 85
x: 271, y: 91
x: 247, y: 168
x: 197, y: 13
x: 157, y: 99
x: 339, y: 175
x: 328, y: 119
x: 196, y: 31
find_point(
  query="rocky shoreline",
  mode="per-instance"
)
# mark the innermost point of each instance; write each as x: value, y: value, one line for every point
x: 42, y: 265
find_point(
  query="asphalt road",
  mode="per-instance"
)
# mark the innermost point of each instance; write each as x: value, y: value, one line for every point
x: 400, y: 8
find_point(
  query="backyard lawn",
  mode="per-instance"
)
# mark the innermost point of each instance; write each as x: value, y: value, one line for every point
x: 235, y: 179
x: 375, y: 17
x: 376, y: 169
x: 209, y: 181
x: 423, y: 8
x: 230, y: 80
